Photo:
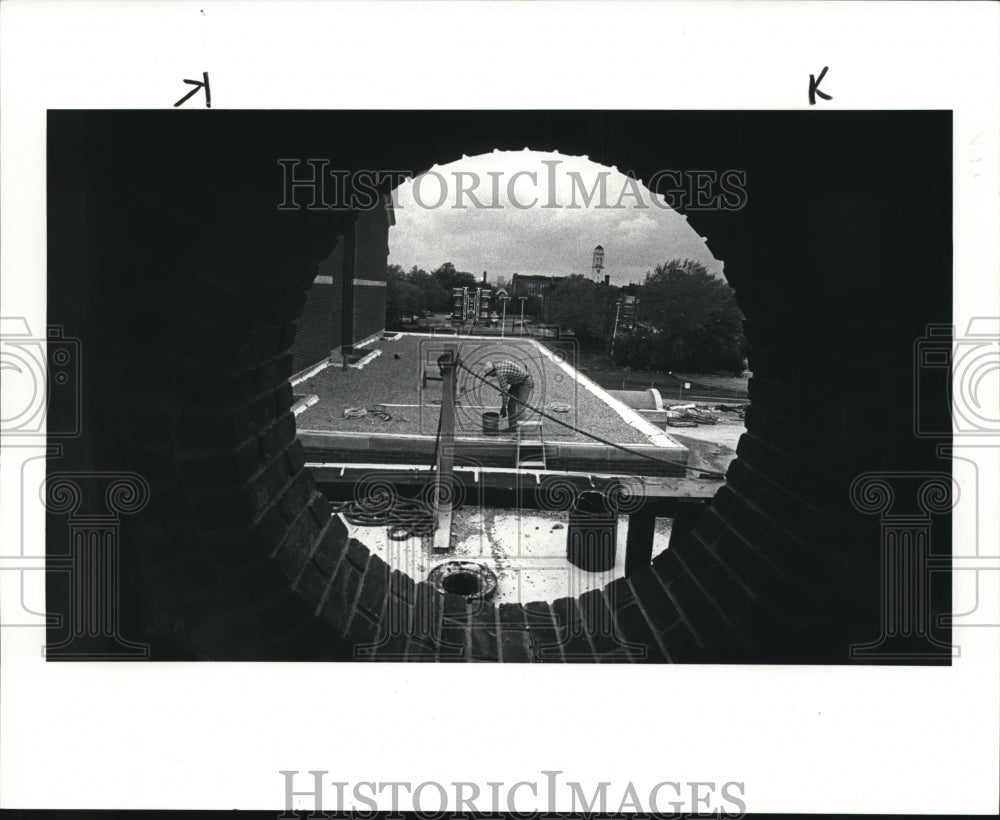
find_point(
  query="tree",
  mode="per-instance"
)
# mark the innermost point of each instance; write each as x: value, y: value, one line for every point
x: 433, y: 297
x: 695, y: 322
x: 402, y: 298
x: 450, y: 278
x: 417, y: 291
x: 586, y: 308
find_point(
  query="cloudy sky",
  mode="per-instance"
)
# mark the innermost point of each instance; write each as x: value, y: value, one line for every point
x: 487, y: 213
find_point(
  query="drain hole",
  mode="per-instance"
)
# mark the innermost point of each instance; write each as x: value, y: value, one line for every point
x: 461, y: 583
x: 468, y: 579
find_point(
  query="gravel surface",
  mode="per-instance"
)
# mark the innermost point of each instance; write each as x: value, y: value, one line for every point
x: 393, y: 380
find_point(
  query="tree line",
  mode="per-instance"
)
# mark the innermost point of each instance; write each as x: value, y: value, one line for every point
x: 416, y: 292
x: 688, y: 320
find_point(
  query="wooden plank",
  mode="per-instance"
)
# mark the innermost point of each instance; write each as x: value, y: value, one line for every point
x: 492, y: 452
x: 639, y: 541
x: 444, y: 468
x: 650, y: 487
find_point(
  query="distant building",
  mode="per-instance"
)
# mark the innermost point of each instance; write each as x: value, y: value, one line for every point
x: 597, y: 264
x: 628, y: 312
x: 532, y: 285
x: 472, y: 304
x: 539, y: 291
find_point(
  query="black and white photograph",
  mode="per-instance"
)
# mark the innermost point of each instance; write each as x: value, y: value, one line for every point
x: 396, y: 382
x: 650, y: 417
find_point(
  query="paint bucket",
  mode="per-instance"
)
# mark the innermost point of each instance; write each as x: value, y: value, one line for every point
x: 592, y: 533
x: 491, y: 422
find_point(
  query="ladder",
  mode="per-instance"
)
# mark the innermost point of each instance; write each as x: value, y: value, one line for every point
x: 530, y: 445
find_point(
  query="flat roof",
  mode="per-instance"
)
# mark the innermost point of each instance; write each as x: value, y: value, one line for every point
x: 400, y: 377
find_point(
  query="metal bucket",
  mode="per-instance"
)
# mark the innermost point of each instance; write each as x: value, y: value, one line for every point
x: 592, y: 533
x: 491, y: 422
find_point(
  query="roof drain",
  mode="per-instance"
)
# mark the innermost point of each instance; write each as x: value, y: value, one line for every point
x: 468, y: 579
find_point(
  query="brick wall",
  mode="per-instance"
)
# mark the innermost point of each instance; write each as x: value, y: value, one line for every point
x: 371, y: 233
x: 321, y: 324
x: 838, y: 264
x: 333, y: 268
x: 369, y: 311
x: 315, y: 337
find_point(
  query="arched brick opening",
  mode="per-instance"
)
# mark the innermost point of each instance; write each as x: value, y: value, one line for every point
x: 169, y: 259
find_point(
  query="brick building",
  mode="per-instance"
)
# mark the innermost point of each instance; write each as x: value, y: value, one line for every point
x: 356, y: 268
x: 539, y: 291
x: 533, y: 286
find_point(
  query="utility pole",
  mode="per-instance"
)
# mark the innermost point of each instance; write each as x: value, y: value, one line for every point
x: 523, y: 300
x: 503, y: 321
x: 614, y: 330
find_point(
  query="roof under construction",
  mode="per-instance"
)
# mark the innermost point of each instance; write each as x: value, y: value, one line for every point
x: 386, y: 407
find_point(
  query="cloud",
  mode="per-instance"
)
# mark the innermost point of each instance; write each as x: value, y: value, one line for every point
x: 537, y: 212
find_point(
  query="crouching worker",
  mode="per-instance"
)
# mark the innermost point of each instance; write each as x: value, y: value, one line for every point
x: 515, y: 380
